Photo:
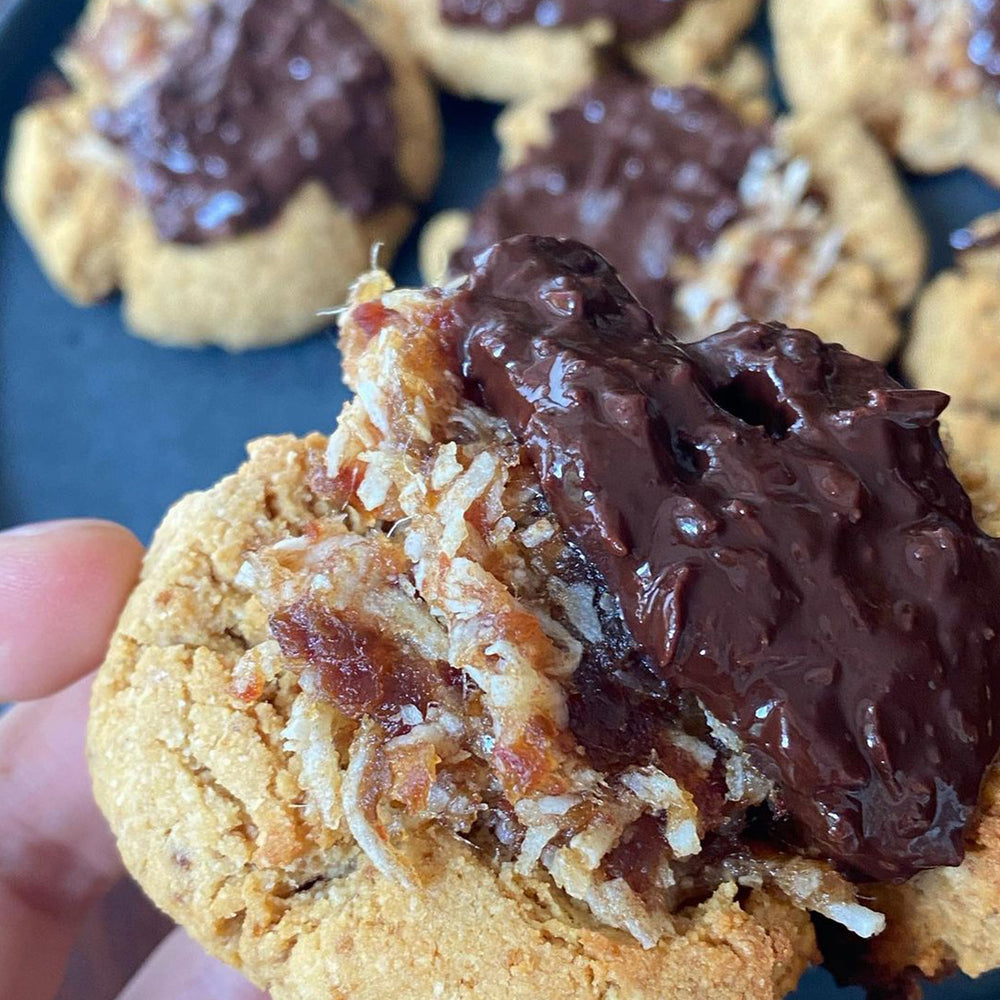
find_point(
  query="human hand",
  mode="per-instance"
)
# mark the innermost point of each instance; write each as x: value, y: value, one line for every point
x: 62, y: 586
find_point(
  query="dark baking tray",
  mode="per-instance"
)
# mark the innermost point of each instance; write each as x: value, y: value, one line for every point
x: 94, y: 422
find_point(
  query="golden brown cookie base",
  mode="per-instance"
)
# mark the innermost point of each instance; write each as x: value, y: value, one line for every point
x: 225, y: 810
x: 955, y: 338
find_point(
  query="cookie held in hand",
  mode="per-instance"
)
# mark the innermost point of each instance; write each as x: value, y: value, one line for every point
x: 615, y: 648
x: 228, y: 165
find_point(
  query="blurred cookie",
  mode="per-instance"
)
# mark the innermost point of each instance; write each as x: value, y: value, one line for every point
x: 710, y: 210
x: 228, y: 164
x: 954, y: 342
x: 973, y: 439
x: 504, y: 50
x: 924, y: 74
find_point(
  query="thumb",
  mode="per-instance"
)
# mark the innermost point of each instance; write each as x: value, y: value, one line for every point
x: 180, y: 970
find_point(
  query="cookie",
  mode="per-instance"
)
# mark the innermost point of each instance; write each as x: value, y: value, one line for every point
x: 922, y: 73
x: 510, y: 50
x: 955, y: 336
x: 224, y: 217
x: 379, y: 691
x: 801, y: 219
x: 224, y: 781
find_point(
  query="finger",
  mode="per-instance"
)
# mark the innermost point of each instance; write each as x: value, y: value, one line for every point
x: 180, y: 970
x: 57, y: 855
x: 62, y: 587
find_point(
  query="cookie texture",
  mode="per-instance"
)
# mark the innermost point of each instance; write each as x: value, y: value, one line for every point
x: 527, y: 60
x: 903, y: 66
x: 71, y: 191
x: 843, y: 268
x: 237, y: 789
x: 955, y: 337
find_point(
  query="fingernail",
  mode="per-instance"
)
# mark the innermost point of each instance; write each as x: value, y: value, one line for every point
x: 51, y: 527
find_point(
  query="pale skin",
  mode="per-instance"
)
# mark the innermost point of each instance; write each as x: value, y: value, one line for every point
x: 62, y: 586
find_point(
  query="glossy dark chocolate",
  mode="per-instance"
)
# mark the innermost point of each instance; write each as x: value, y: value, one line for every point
x: 779, y: 522
x: 264, y: 95
x: 631, y: 20
x: 642, y: 173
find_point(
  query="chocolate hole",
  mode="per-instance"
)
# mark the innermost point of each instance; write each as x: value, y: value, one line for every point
x: 692, y: 462
x: 753, y: 398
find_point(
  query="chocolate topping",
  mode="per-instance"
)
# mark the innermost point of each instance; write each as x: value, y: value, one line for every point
x: 637, y: 19
x: 984, y: 46
x: 779, y: 523
x: 264, y: 95
x: 639, y: 172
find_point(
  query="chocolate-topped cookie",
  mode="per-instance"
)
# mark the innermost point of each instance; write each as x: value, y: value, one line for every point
x: 505, y: 50
x: 709, y: 210
x: 924, y: 74
x: 631, y: 652
x: 228, y: 164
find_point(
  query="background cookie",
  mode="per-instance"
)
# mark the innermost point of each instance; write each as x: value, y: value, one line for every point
x: 906, y: 67
x: 233, y: 788
x: 71, y: 188
x: 842, y: 264
x: 527, y: 59
x: 973, y: 438
x: 955, y: 337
